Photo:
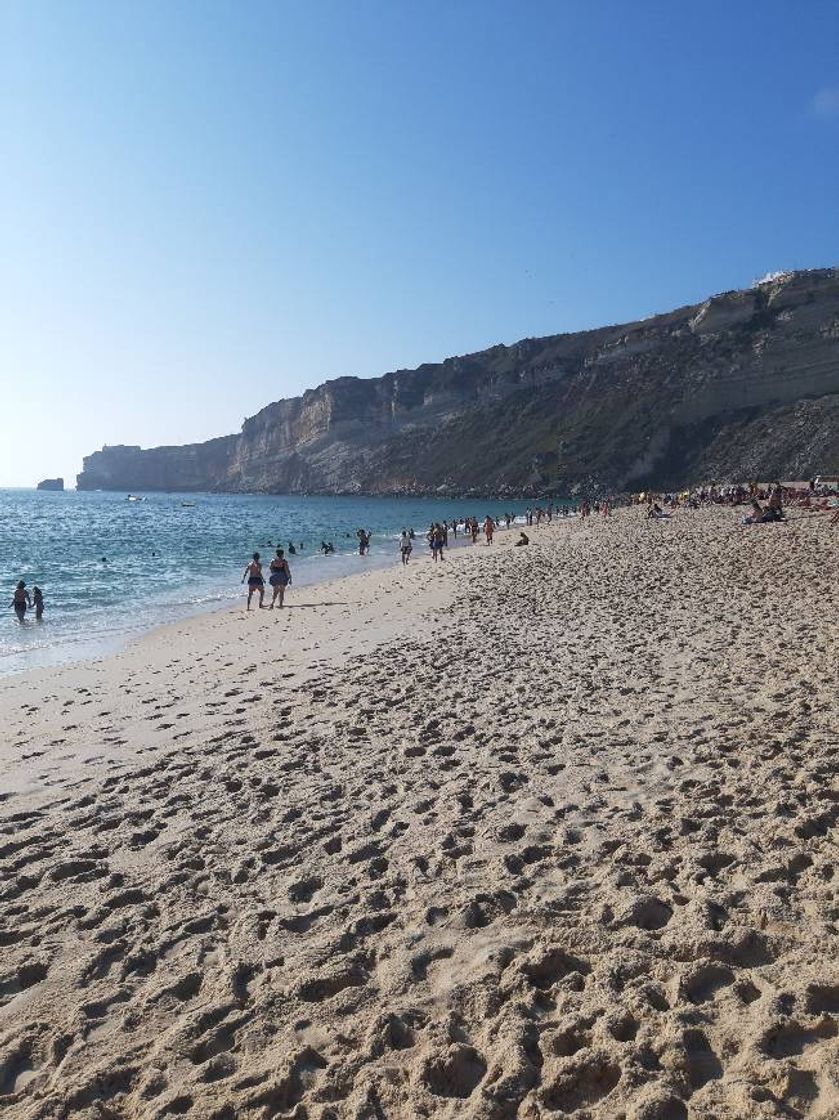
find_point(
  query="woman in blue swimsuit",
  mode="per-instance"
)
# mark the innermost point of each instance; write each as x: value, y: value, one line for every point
x: 279, y: 578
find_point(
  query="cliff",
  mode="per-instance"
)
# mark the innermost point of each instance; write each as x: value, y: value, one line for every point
x: 745, y: 384
x: 51, y: 484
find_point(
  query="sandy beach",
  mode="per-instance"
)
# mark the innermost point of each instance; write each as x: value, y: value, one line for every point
x: 534, y: 832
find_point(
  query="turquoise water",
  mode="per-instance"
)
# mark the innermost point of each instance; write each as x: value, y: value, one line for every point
x: 171, y: 555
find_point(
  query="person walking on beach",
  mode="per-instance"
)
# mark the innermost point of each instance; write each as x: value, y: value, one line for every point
x: 253, y: 574
x: 437, y: 541
x: 38, y: 602
x: 279, y: 578
x: 405, y: 546
x: 489, y: 529
x: 21, y: 600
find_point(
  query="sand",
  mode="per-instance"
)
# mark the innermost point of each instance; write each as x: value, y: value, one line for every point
x: 541, y: 832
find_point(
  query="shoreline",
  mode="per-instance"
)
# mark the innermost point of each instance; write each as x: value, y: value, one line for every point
x: 343, y: 627
x: 94, y: 608
x: 110, y: 643
x: 546, y: 831
x: 52, y: 657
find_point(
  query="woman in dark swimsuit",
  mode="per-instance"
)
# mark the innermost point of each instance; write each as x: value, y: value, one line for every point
x: 253, y: 574
x: 279, y: 578
x: 21, y: 600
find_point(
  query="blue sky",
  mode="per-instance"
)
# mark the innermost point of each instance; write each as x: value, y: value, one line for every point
x: 207, y: 206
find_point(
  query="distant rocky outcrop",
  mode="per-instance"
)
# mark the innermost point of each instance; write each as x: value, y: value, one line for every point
x: 743, y: 385
x: 51, y: 484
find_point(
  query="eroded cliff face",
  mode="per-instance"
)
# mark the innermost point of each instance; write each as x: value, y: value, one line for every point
x: 744, y: 384
x: 195, y: 466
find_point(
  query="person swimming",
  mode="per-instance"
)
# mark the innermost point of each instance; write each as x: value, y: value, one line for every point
x: 253, y: 574
x: 21, y: 600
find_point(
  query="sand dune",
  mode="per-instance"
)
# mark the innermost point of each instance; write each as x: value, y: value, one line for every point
x: 541, y: 832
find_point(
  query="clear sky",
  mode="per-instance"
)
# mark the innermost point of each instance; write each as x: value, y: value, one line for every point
x: 206, y: 206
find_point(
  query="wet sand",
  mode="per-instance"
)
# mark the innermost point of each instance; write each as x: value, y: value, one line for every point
x: 538, y: 832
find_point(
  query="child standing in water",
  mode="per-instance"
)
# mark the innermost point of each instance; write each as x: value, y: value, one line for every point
x: 38, y: 602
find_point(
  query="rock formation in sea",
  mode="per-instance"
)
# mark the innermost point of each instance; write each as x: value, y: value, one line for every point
x: 51, y: 484
x: 743, y: 385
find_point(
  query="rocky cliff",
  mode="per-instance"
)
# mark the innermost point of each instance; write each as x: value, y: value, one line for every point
x: 745, y: 384
x: 51, y: 484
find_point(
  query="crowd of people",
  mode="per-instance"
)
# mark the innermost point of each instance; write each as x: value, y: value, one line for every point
x: 817, y: 494
x: 437, y: 537
x: 765, y: 503
x: 471, y: 529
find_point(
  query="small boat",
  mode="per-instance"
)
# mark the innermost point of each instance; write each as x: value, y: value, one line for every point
x: 134, y: 498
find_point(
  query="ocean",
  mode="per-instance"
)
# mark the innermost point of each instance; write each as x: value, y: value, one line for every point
x: 111, y: 568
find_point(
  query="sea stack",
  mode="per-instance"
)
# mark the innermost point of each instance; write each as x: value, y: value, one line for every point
x: 51, y: 484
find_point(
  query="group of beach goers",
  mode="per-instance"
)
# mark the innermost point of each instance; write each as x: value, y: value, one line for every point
x: 279, y: 578
x: 818, y: 494
x: 764, y: 503
x: 439, y: 533
x: 437, y: 537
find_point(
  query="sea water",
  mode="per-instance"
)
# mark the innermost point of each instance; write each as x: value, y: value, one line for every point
x: 111, y: 568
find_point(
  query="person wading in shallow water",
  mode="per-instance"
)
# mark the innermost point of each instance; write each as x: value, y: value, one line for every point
x: 21, y: 600
x: 253, y: 574
x: 279, y: 578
